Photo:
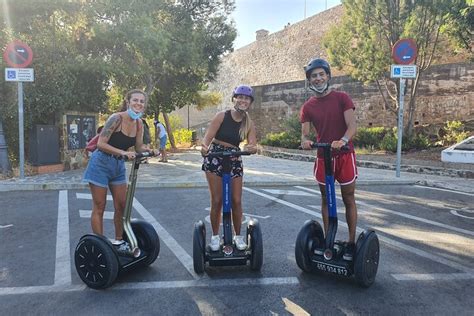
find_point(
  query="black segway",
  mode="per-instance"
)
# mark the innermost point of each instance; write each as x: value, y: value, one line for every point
x: 97, y: 261
x: 314, y: 253
x: 228, y: 254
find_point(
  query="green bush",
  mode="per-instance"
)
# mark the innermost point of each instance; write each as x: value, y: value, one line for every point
x: 389, y: 142
x: 182, y: 136
x: 370, y: 137
x: 454, y: 133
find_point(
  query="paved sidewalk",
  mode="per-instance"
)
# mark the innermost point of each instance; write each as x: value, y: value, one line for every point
x: 184, y: 170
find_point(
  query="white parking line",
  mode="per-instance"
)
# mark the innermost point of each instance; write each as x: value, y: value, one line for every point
x: 433, y: 276
x: 172, y: 244
x: 445, y: 190
x: 62, y: 274
x: 415, y: 218
x: 387, y: 240
x: 154, y: 285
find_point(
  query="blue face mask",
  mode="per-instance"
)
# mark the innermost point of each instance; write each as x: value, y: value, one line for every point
x: 133, y: 115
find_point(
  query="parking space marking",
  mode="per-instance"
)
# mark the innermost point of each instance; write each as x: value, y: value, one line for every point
x: 154, y: 285
x: 6, y: 226
x: 62, y: 274
x: 387, y: 240
x: 88, y: 196
x: 433, y: 276
x: 287, y: 192
x: 415, y: 218
x: 88, y: 214
x: 445, y: 190
x: 172, y: 244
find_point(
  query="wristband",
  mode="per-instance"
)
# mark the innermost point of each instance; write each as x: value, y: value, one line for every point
x: 345, y: 139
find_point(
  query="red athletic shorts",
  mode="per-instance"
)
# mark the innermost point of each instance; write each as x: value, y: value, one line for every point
x: 344, y: 168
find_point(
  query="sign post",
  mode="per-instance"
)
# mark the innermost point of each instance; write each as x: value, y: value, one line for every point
x: 19, y: 55
x: 403, y: 52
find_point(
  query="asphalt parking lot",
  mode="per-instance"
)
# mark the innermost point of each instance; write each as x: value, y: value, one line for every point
x: 426, y: 257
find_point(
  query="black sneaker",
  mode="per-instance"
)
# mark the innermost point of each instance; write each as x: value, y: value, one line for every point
x: 349, y: 252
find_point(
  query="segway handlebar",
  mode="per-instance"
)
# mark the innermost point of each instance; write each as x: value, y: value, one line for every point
x: 325, y: 145
x: 141, y: 155
x: 228, y: 154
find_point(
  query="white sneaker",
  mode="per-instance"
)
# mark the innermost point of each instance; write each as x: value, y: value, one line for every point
x: 239, y: 242
x: 215, y: 242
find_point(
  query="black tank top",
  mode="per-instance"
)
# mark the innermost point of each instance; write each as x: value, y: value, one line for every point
x: 121, y: 141
x: 229, y: 130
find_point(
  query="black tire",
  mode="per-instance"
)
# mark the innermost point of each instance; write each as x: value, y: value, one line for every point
x: 310, y: 236
x: 148, y: 240
x: 255, y: 241
x: 199, y: 247
x: 96, y: 261
x: 366, y: 258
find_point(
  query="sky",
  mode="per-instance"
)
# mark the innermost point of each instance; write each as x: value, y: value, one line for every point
x: 272, y: 15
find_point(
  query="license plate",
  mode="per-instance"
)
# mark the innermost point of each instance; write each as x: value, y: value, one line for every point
x: 326, y: 267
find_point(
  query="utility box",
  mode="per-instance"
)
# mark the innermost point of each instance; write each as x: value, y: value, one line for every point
x: 44, y: 145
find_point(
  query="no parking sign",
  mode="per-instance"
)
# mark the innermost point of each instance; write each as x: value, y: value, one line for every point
x: 18, y: 54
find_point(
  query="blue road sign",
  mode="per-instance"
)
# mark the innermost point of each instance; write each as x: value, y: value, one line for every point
x: 404, y: 51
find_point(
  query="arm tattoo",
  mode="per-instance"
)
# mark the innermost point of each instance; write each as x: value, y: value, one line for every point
x: 111, y: 125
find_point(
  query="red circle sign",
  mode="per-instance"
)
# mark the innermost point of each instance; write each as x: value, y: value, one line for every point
x: 404, y: 51
x: 18, y: 55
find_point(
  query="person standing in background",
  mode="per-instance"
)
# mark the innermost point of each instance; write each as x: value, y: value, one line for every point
x: 163, y: 136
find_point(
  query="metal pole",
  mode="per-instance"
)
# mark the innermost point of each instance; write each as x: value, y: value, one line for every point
x: 21, y: 130
x: 400, y: 126
x: 188, y: 117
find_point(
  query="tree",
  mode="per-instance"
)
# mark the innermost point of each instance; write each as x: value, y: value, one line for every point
x: 171, y: 49
x: 362, y: 44
x: 65, y: 77
x: 460, y: 26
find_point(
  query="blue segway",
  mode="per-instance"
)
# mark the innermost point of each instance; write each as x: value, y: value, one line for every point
x: 228, y: 254
x: 314, y: 253
x: 97, y: 261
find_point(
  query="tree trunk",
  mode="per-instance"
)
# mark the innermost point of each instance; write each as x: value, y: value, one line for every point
x: 412, y: 106
x: 170, y: 132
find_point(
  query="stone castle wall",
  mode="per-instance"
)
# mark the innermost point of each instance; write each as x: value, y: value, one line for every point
x: 446, y: 92
x: 273, y: 65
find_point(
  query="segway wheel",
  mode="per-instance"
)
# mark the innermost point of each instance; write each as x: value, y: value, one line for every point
x: 199, y: 247
x: 147, y: 239
x: 310, y: 236
x: 254, y: 239
x: 366, y: 258
x: 96, y: 262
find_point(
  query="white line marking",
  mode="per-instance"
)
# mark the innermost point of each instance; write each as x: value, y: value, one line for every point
x: 455, y: 212
x: 154, y: 285
x: 387, y: 240
x: 6, y: 226
x: 419, y: 219
x: 62, y: 275
x: 88, y: 213
x: 257, y: 216
x: 172, y: 244
x: 286, y: 192
x: 88, y: 196
x: 433, y: 276
x: 445, y: 190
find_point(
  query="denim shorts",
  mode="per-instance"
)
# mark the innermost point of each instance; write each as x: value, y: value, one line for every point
x: 104, y: 169
x: 214, y: 165
x: 163, y: 142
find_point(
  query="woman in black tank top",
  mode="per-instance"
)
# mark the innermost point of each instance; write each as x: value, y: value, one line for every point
x: 106, y: 168
x: 226, y: 131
